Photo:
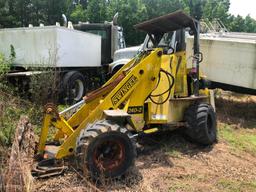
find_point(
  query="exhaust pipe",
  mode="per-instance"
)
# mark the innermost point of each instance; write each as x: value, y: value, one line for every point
x: 115, y: 19
x: 65, y: 21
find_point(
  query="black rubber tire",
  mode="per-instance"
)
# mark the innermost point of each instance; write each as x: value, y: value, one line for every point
x: 92, y: 137
x: 69, y: 80
x: 201, y: 120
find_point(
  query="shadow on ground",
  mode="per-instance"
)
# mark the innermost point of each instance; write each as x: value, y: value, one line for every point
x: 158, y: 148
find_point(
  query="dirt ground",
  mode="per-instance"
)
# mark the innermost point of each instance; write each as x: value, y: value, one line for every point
x: 167, y: 162
x: 189, y: 169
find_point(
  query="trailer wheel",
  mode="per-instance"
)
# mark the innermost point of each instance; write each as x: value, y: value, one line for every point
x: 201, y: 120
x: 73, y: 87
x: 105, y: 149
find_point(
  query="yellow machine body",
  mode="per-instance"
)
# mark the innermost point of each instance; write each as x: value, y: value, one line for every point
x: 151, y: 92
x: 130, y: 95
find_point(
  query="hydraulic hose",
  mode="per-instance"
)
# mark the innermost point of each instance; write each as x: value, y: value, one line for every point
x: 170, y: 82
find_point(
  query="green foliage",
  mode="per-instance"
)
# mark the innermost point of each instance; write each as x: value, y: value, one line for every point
x: 78, y: 14
x: 16, y: 13
x: 42, y: 93
x: 194, y: 8
x: 11, y: 109
x: 249, y: 24
x: 96, y: 11
x: 155, y: 8
x: 216, y: 9
x: 9, y: 116
x: 5, y: 66
x: 130, y: 13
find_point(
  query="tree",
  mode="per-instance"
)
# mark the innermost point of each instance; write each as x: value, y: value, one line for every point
x: 155, y: 8
x: 194, y: 7
x: 237, y: 24
x: 54, y: 9
x: 6, y: 19
x: 130, y: 12
x: 17, y: 13
x: 78, y: 14
x: 96, y: 11
x: 250, y: 24
x: 216, y: 9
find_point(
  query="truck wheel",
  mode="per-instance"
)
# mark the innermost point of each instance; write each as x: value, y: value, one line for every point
x: 74, y: 87
x: 105, y: 149
x: 116, y: 69
x: 201, y: 120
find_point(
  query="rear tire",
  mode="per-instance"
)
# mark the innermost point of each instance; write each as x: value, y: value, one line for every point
x: 105, y: 149
x: 201, y: 120
x: 73, y: 87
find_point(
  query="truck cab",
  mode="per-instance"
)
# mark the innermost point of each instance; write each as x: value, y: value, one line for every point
x: 112, y: 38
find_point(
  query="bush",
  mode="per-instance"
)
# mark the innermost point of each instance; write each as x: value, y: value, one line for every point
x: 43, y: 87
x: 5, y: 66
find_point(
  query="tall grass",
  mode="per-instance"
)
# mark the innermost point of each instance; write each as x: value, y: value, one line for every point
x: 43, y: 88
x: 6, y: 114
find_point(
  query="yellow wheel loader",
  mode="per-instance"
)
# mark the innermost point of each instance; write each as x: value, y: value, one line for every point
x: 155, y: 91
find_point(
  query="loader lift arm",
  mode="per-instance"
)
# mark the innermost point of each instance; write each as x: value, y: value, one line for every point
x: 141, y: 76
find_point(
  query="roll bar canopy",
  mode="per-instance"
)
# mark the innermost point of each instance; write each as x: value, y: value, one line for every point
x: 167, y: 23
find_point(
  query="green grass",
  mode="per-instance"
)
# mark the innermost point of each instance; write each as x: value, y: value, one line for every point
x: 8, y: 121
x: 179, y: 186
x: 239, y: 139
x: 11, y: 108
x: 174, y: 153
x: 235, y: 186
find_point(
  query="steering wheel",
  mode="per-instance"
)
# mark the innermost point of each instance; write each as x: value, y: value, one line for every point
x: 167, y: 49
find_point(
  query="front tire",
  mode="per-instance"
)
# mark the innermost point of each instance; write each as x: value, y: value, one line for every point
x: 105, y: 149
x: 201, y: 120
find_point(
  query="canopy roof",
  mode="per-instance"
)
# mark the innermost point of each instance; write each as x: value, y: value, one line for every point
x: 166, y: 23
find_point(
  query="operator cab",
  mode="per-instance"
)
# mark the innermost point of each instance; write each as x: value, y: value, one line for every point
x: 172, y: 42
x: 162, y: 28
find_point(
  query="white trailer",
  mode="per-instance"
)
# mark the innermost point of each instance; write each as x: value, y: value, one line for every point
x: 229, y: 60
x: 51, y: 46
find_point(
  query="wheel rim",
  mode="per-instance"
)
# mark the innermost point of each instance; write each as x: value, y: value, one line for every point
x: 109, y: 155
x: 77, y: 90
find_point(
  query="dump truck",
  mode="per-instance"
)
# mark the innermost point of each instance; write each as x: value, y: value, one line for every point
x: 155, y: 91
x: 229, y: 59
x: 79, y: 56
